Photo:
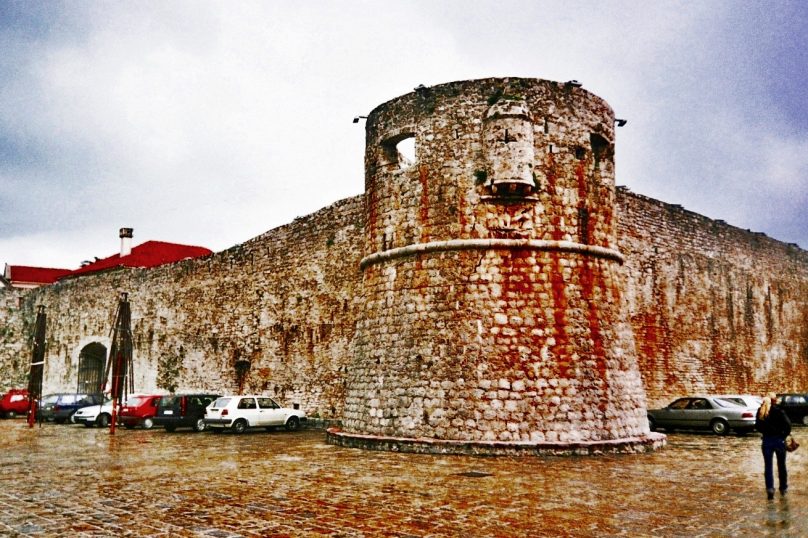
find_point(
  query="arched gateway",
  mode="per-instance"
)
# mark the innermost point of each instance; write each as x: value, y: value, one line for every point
x: 92, y: 361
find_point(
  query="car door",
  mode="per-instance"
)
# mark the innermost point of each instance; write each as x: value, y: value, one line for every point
x: 673, y: 415
x: 272, y: 413
x: 698, y: 413
x: 248, y: 408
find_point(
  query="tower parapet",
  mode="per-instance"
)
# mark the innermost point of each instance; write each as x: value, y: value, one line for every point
x: 493, y: 310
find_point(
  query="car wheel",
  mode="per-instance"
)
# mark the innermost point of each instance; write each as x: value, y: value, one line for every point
x: 147, y: 423
x: 719, y: 426
x: 200, y: 425
x: 652, y: 424
x: 805, y: 420
x: 292, y: 424
x: 102, y: 420
x: 11, y: 414
x: 240, y: 426
x: 170, y: 428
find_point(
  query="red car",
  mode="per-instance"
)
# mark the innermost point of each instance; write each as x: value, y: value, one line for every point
x: 14, y: 402
x: 139, y: 410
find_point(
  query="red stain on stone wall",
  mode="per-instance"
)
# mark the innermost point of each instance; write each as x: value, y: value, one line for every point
x: 559, y: 287
x: 590, y: 278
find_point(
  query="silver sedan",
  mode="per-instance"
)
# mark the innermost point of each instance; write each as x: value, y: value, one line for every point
x: 719, y: 414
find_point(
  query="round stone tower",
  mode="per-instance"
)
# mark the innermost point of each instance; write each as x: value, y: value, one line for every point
x: 493, y: 319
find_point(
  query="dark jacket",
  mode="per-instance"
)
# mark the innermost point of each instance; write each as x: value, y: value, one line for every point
x: 775, y: 425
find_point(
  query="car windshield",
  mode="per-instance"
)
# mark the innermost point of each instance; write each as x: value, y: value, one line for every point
x: 134, y: 401
x: 221, y: 402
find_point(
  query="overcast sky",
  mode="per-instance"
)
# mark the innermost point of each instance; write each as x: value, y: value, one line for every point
x: 208, y: 123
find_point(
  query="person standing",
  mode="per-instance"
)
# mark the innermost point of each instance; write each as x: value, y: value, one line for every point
x: 774, y: 426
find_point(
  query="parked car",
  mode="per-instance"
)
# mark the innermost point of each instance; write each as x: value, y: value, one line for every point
x: 241, y: 412
x: 703, y: 412
x: 795, y: 406
x: 139, y: 410
x: 60, y: 408
x: 183, y: 411
x: 95, y: 415
x: 14, y: 402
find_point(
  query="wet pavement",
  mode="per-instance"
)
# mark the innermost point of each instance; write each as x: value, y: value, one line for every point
x: 73, y: 481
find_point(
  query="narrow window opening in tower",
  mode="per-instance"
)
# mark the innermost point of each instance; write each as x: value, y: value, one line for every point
x: 580, y: 153
x: 546, y: 126
x: 600, y: 148
x: 399, y: 152
x: 506, y: 136
x: 406, y: 152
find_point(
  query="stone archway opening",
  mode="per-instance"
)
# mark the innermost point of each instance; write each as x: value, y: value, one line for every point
x: 92, y: 360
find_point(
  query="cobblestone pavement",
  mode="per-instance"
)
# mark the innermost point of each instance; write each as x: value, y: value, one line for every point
x: 73, y: 481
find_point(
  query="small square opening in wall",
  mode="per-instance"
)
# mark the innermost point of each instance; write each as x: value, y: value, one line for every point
x: 399, y: 151
x: 601, y: 149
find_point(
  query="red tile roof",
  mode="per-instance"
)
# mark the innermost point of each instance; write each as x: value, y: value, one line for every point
x: 148, y: 254
x: 35, y: 275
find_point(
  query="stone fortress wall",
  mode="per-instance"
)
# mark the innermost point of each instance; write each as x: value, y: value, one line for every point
x: 711, y: 307
x: 714, y: 308
x: 285, y: 301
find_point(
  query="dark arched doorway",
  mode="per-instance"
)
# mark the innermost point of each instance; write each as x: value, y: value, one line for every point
x: 92, y: 360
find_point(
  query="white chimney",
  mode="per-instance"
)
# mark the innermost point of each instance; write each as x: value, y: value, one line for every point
x: 126, y: 241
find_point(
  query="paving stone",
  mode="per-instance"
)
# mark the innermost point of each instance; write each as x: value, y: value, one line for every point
x: 263, y: 484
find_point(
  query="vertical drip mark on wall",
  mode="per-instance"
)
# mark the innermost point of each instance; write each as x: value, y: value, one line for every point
x: 767, y: 306
x: 730, y: 308
x: 583, y: 211
x: 370, y: 210
x: 749, y: 308
x: 559, y: 288
x: 590, y: 278
x: 423, y: 208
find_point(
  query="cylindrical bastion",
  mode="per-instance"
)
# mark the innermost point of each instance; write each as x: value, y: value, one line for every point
x: 493, y: 319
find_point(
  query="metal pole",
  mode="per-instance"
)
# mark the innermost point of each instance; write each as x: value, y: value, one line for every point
x: 37, y: 365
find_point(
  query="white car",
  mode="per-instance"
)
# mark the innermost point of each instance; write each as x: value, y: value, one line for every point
x: 94, y: 415
x: 241, y: 412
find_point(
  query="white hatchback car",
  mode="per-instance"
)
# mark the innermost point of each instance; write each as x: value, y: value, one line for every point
x: 94, y: 415
x: 241, y: 412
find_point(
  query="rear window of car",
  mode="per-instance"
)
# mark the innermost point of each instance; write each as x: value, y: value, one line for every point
x: 221, y: 402
x: 168, y: 401
x: 134, y: 401
x: 730, y: 402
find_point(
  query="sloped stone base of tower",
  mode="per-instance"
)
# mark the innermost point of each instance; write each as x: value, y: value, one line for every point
x: 630, y: 445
